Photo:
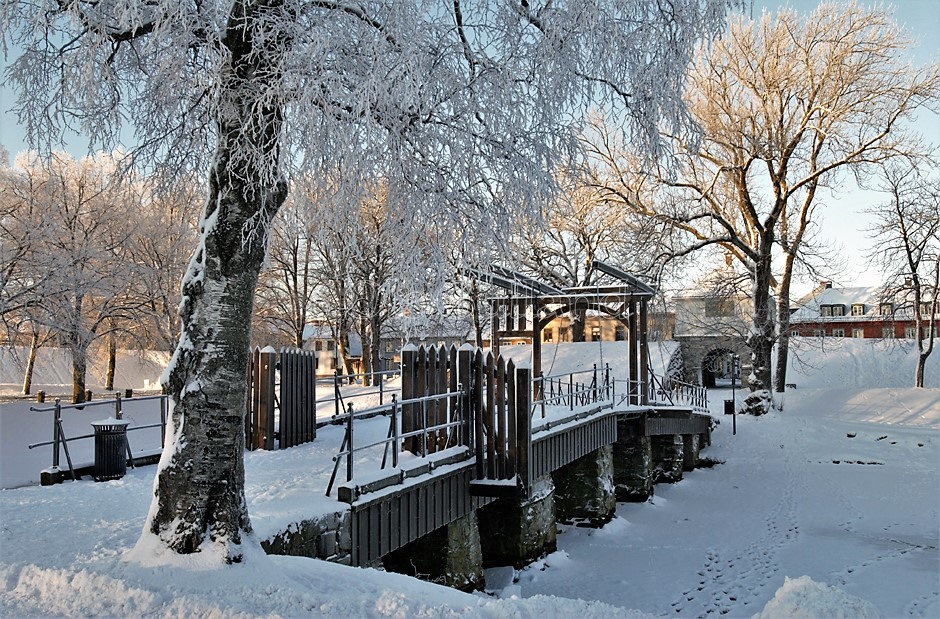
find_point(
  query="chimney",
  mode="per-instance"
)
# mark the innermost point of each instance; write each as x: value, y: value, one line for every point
x: 825, y: 284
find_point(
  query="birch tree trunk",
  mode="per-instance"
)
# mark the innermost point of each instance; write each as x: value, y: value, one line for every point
x: 30, y: 363
x: 199, y: 495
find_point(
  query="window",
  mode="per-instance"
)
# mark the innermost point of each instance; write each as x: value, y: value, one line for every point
x: 886, y: 309
x: 563, y: 334
x: 858, y: 333
x: 925, y: 309
x: 620, y: 334
x: 887, y: 333
x: 825, y: 310
x: 858, y: 309
x: 838, y: 333
x: 595, y: 334
x: 715, y: 308
x: 318, y: 345
x: 547, y: 335
x: 818, y: 333
x: 794, y: 333
x: 331, y: 345
x: 910, y: 333
x: 838, y: 310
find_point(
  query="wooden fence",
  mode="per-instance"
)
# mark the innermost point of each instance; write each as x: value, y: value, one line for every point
x: 294, y: 402
x: 491, y: 402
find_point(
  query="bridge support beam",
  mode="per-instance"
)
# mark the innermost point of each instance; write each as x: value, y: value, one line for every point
x: 517, y: 531
x: 584, y: 489
x: 450, y: 555
x: 668, y: 458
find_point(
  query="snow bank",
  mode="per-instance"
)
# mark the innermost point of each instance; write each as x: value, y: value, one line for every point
x: 850, y: 363
x: 802, y: 598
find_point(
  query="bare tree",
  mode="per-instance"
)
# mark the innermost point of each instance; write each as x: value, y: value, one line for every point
x: 427, y: 96
x: 907, y: 248
x: 786, y: 104
x: 286, y: 290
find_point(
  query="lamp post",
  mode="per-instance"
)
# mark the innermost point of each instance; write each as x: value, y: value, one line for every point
x: 735, y: 368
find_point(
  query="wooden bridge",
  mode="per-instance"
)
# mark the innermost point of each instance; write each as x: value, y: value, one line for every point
x: 468, y: 432
x: 473, y: 432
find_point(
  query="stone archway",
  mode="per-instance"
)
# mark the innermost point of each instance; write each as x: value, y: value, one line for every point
x: 700, y: 353
x: 716, y: 364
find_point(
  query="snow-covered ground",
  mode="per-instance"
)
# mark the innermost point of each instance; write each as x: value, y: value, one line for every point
x: 829, y: 508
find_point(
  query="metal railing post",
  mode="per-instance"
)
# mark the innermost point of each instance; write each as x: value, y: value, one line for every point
x: 56, y: 424
x: 349, y: 445
x: 336, y: 396
x: 117, y: 406
x: 163, y: 407
x: 396, y: 447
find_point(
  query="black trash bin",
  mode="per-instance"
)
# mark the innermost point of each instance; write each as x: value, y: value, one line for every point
x: 729, y: 407
x: 110, y: 449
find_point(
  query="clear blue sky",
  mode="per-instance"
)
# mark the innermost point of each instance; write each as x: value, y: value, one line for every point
x: 843, y: 221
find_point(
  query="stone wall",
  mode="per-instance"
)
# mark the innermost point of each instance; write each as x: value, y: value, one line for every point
x: 328, y: 538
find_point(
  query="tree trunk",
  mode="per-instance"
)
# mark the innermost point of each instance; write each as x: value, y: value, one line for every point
x: 475, y: 314
x: 578, y: 318
x: 79, y: 366
x: 112, y: 362
x: 199, y: 499
x: 783, y: 325
x: 30, y: 363
x: 761, y: 338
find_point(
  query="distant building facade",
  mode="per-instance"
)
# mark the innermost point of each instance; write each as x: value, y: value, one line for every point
x: 858, y: 313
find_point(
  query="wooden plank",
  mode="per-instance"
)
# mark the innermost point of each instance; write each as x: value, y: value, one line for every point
x: 409, y: 377
x: 501, y: 429
x: 512, y: 421
x: 634, y: 359
x: 488, y: 419
x: 476, y: 412
x: 524, y: 427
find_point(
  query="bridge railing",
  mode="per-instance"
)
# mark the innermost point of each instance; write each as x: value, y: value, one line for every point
x: 675, y: 392
x: 574, y: 389
x: 426, y: 435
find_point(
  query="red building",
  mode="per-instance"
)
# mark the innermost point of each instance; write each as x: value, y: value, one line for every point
x: 855, y: 312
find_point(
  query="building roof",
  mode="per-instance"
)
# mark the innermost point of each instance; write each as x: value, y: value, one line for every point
x: 808, y: 308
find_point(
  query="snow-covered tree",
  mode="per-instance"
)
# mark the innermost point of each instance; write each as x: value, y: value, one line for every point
x: 79, y: 265
x: 787, y: 104
x: 438, y: 99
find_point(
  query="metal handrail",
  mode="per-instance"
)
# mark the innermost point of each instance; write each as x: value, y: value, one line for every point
x: 394, y: 437
x: 577, y: 392
x: 58, y: 432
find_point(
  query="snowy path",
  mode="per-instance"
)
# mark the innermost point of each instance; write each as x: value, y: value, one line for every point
x: 703, y: 549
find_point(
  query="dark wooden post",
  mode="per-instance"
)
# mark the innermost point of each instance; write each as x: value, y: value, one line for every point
x: 523, y: 427
x: 489, y: 417
x: 494, y: 334
x: 512, y: 421
x: 262, y: 399
x: 409, y: 379
x: 536, y: 346
x: 464, y: 374
x: 644, y: 353
x: 499, y: 386
x: 634, y: 362
x: 477, y: 414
